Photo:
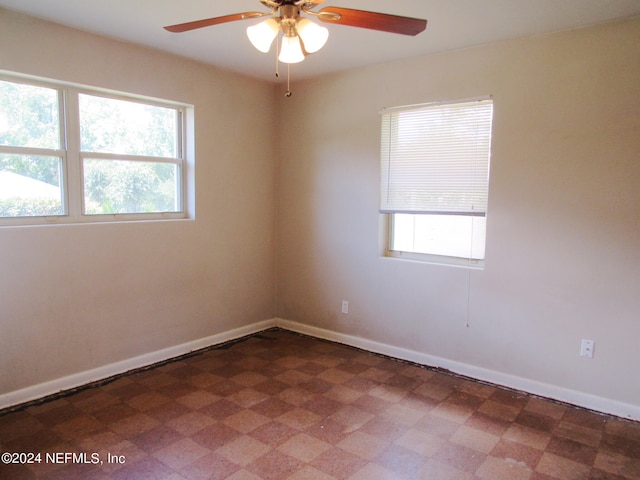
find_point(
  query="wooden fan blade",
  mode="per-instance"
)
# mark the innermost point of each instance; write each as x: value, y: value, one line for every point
x: 374, y: 21
x: 185, y: 27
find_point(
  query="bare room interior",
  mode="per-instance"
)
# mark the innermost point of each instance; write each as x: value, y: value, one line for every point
x: 265, y: 328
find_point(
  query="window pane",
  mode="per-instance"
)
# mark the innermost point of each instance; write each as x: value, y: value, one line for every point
x: 30, y: 186
x: 448, y: 235
x: 29, y: 116
x: 119, y: 186
x: 117, y: 126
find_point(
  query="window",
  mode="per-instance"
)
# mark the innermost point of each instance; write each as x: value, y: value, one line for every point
x: 31, y: 155
x: 435, y: 179
x: 74, y: 155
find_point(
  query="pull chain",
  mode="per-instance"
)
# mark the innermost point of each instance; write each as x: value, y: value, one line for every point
x: 277, y: 61
x: 288, y: 92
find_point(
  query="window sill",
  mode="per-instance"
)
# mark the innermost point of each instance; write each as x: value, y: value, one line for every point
x: 91, y: 219
x: 439, y: 260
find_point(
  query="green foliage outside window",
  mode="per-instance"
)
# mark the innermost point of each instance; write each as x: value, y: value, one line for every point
x: 32, y: 161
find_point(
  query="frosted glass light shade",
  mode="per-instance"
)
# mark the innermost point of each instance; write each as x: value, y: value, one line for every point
x: 291, y: 51
x: 263, y: 34
x: 313, y: 36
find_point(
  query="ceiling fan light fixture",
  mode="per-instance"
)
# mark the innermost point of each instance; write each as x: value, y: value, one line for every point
x: 263, y: 34
x: 300, y: 35
x: 291, y: 50
x: 313, y: 36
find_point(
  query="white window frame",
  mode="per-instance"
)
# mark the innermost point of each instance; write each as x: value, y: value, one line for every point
x: 389, y: 207
x: 72, y: 181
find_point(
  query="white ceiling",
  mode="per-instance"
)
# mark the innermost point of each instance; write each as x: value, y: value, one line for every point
x: 453, y: 24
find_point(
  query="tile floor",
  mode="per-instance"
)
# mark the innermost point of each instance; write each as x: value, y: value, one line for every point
x: 279, y: 405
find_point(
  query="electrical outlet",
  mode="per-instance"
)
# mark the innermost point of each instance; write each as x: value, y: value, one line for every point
x: 586, y: 348
x: 345, y: 307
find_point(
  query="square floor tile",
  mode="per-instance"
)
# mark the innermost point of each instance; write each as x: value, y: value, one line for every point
x: 279, y: 405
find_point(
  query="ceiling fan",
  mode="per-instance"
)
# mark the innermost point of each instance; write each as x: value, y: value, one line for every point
x: 301, y: 36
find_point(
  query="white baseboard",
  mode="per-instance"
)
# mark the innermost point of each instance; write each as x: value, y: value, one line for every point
x: 555, y: 392
x: 573, y: 397
x: 42, y: 390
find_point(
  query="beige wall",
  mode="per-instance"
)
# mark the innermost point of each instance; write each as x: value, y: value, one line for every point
x: 563, y: 225
x: 563, y: 235
x: 78, y: 297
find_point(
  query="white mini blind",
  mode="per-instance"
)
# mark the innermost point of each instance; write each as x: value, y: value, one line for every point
x: 435, y: 158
